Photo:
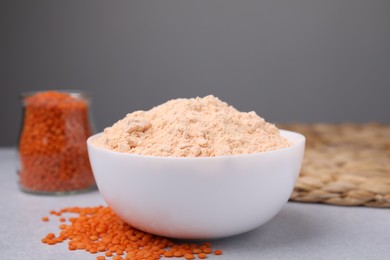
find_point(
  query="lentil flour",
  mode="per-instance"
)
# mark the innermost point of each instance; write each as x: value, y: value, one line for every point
x: 196, y: 127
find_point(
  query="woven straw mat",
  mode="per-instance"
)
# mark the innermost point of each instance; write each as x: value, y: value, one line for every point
x: 344, y: 164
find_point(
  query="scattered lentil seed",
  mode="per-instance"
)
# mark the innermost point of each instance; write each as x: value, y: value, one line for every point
x: 51, y: 242
x: 207, y: 250
x: 101, y: 249
x: 72, y: 247
x: 50, y: 236
x: 98, y: 229
x: 45, y: 219
x: 218, y: 252
x: 196, y: 251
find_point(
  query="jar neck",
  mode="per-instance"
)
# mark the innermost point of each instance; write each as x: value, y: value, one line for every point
x: 48, y: 95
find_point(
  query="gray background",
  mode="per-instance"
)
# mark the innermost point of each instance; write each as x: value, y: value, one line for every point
x: 290, y: 61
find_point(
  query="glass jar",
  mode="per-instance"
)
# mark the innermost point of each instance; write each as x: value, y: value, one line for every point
x: 52, y: 145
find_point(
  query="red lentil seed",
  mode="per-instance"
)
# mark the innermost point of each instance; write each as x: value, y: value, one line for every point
x: 93, y: 250
x: 101, y: 249
x: 55, y: 213
x: 93, y: 238
x: 197, y: 250
x: 51, y: 242
x: 50, y: 236
x: 207, y: 250
x: 72, y: 247
x: 218, y: 252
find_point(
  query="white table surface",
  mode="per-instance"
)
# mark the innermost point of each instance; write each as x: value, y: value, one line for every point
x: 299, y: 231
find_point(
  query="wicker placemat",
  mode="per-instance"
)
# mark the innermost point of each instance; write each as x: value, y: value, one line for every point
x: 345, y: 164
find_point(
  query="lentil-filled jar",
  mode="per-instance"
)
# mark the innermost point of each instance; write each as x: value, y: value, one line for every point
x: 52, y: 144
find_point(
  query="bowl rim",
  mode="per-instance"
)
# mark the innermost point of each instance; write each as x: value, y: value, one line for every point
x: 299, y: 139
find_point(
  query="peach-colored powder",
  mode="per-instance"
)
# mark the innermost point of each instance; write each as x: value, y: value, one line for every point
x: 196, y: 127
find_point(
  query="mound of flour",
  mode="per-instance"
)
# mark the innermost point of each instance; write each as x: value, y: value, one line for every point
x: 196, y: 127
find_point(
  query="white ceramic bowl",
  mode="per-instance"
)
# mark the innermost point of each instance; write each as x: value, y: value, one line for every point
x: 197, y: 198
